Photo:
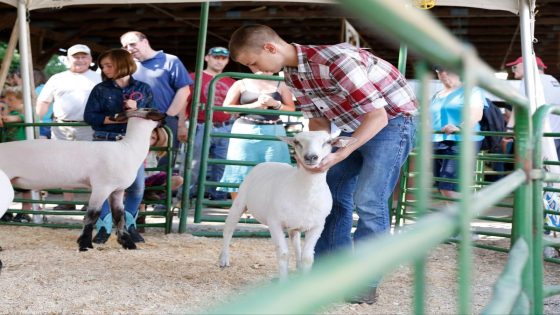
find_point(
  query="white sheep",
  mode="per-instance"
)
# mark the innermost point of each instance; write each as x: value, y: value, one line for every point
x: 106, y: 167
x: 6, y: 193
x: 286, y: 197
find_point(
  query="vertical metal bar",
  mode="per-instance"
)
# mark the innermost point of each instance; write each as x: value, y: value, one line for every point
x: 187, y: 173
x: 400, y: 209
x: 205, y: 150
x: 424, y: 181
x: 169, y: 170
x: 401, y: 193
x: 25, y: 64
x: 466, y: 170
x: 403, y: 54
x: 537, y: 247
x: 523, y: 218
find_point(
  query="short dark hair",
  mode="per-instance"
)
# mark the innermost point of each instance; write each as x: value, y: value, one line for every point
x: 123, y: 62
x: 251, y: 37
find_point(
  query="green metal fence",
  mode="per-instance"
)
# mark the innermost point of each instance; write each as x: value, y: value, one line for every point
x: 201, y: 202
x: 520, y: 288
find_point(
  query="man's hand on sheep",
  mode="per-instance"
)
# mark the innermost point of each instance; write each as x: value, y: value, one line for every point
x: 331, y: 159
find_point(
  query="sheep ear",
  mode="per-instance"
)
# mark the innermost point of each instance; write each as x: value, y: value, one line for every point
x: 342, y: 141
x: 288, y: 140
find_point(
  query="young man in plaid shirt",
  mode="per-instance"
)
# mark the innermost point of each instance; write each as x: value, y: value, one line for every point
x: 362, y: 95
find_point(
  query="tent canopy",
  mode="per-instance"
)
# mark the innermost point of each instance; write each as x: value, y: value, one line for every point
x: 508, y: 5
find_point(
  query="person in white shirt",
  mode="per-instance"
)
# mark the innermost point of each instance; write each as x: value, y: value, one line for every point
x: 69, y: 92
x: 551, y: 91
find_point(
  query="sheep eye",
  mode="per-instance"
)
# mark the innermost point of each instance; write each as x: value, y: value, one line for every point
x: 297, y: 143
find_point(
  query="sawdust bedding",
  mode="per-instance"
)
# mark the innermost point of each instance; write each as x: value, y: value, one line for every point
x: 178, y: 273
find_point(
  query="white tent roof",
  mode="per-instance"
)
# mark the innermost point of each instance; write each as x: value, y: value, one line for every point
x: 506, y: 5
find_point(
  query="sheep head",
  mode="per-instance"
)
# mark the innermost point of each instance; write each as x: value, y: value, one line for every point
x: 312, y: 146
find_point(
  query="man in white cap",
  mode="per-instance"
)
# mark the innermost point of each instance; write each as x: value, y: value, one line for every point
x: 69, y: 92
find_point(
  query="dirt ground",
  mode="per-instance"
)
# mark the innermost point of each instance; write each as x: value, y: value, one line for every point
x: 178, y: 273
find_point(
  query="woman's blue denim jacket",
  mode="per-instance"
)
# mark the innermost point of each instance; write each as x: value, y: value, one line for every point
x: 106, y: 99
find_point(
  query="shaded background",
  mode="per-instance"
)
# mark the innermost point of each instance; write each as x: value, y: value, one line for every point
x: 174, y: 28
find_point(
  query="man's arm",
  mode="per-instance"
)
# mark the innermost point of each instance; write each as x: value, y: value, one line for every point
x: 178, y: 108
x: 179, y: 101
x: 42, y: 108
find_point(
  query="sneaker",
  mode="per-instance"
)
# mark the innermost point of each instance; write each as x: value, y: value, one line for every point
x: 368, y: 297
x: 136, y: 237
x: 23, y: 218
x: 101, y: 237
x: 65, y: 207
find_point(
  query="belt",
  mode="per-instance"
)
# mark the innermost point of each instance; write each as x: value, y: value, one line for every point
x: 252, y: 121
x: 105, y: 135
x: 69, y: 121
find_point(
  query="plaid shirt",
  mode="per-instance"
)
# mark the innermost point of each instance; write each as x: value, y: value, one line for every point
x: 342, y: 83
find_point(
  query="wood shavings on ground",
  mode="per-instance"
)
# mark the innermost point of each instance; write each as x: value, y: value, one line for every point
x: 178, y: 273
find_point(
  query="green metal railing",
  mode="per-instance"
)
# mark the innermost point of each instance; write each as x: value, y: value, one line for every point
x: 208, y: 134
x: 520, y: 287
x: 166, y: 202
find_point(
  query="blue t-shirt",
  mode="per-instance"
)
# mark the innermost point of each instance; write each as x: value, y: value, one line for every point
x: 106, y: 99
x: 48, y: 116
x: 447, y: 110
x: 165, y: 74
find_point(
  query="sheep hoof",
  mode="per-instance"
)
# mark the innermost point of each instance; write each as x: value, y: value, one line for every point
x: 224, y: 260
x: 126, y: 241
x: 84, y: 243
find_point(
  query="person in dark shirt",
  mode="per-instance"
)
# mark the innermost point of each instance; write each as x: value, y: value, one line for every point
x: 117, y: 92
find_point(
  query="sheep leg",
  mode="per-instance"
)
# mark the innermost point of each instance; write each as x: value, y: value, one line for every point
x: 295, y: 238
x: 235, y: 212
x: 85, y: 239
x: 93, y: 211
x: 117, y: 210
x: 311, y: 238
x: 282, y: 253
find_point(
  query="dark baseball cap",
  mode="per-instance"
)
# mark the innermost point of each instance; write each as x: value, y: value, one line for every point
x: 218, y: 51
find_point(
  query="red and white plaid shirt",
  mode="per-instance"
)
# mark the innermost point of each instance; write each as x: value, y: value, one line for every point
x: 342, y: 83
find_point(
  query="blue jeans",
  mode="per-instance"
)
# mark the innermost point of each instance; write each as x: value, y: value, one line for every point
x: 218, y: 150
x: 133, y: 198
x: 365, y: 181
x: 173, y: 123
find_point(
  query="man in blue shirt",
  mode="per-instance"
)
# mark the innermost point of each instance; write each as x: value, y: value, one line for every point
x: 168, y: 78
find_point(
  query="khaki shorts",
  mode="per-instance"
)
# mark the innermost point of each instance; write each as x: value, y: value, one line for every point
x: 72, y: 133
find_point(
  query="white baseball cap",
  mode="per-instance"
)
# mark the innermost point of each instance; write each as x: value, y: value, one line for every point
x: 78, y: 48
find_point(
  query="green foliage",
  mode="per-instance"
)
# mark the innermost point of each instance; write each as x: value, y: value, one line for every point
x: 15, y: 60
x: 53, y: 66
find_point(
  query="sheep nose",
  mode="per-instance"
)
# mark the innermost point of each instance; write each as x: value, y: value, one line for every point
x: 311, y: 157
